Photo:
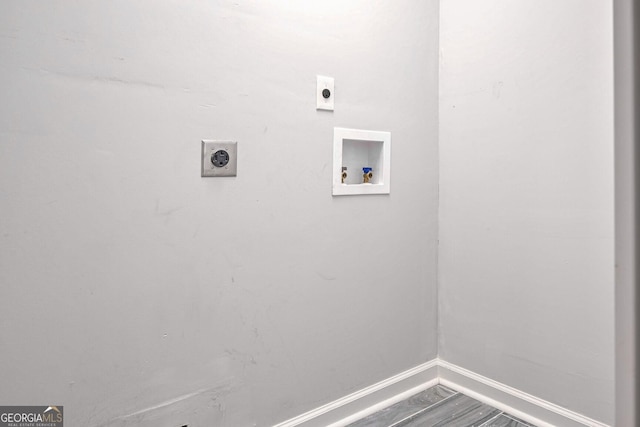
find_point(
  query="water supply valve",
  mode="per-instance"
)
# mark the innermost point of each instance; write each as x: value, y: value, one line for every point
x: 367, y: 175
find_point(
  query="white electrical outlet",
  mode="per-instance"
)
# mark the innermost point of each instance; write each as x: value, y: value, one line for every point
x: 324, y: 93
x: 219, y: 158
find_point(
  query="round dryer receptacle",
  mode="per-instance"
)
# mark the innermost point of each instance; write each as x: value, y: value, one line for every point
x: 220, y: 158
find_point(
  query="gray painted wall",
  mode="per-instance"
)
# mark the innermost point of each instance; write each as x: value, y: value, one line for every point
x: 129, y: 282
x: 627, y: 173
x: 526, y: 204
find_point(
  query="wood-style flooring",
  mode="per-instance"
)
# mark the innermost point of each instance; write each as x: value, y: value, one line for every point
x: 440, y: 406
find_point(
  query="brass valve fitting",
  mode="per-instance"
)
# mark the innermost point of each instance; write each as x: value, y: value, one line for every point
x: 367, y: 175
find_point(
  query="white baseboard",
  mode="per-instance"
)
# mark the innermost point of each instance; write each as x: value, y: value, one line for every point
x: 370, y: 399
x: 508, y: 399
x: 355, y: 406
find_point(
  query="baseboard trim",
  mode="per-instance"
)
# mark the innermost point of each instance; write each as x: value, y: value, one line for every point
x: 370, y: 399
x: 355, y: 406
x: 518, y: 403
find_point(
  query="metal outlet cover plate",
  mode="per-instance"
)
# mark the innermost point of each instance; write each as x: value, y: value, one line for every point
x: 209, y: 148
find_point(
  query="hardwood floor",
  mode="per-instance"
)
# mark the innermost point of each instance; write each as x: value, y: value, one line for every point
x: 440, y: 406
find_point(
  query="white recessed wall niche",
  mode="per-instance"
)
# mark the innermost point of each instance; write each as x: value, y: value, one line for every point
x: 357, y: 153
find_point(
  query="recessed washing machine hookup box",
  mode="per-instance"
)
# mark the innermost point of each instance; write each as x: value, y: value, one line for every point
x: 361, y: 162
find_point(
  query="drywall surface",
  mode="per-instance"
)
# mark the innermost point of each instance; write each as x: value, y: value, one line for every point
x: 134, y: 292
x: 526, y: 231
x: 627, y: 174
